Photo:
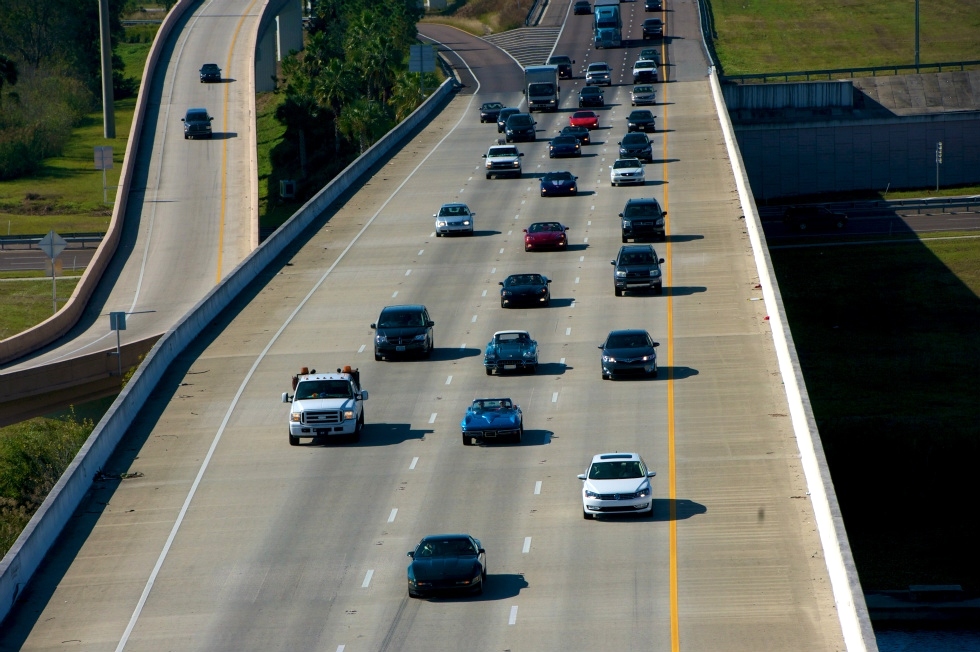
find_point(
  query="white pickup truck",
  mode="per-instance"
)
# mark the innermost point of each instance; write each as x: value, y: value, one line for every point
x: 326, y: 405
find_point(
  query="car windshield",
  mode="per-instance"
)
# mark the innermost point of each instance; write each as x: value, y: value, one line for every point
x: 544, y: 227
x: 558, y: 176
x: 627, y: 341
x: 323, y: 389
x: 445, y: 548
x: 513, y: 337
x: 635, y: 258
x: 635, y: 139
x: 583, y: 114
x: 400, y: 319
x: 542, y: 88
x: 559, y: 60
x: 564, y: 140
x: 616, y: 470
x: 197, y: 116
x: 642, y: 209
x: 642, y: 65
x: 489, y: 106
x: 523, y: 279
x: 209, y: 67
x: 507, y: 112
x: 643, y: 89
x: 591, y: 90
x: 575, y: 130
x: 626, y: 163
x: 502, y: 151
x: 598, y: 67
x: 453, y: 210
x: 641, y: 115
x: 493, y: 404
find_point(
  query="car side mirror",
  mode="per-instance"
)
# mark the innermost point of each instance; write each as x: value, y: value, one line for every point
x: 600, y: 346
x: 656, y: 344
x: 411, y: 553
x: 548, y: 281
x: 482, y: 551
x: 181, y: 119
x: 364, y: 395
x: 430, y: 324
x: 620, y: 143
x: 581, y: 476
x: 373, y: 326
x: 612, y: 262
x: 521, y: 154
x: 500, y: 282
x: 650, y: 474
x: 620, y: 214
x: 286, y: 398
x: 661, y: 260
x: 525, y: 230
x: 210, y: 119
x: 435, y: 215
x: 663, y: 213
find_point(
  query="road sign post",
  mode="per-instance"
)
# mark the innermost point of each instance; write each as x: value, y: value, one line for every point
x: 421, y: 59
x: 939, y: 161
x: 53, y: 244
x: 103, y: 161
x: 117, y: 322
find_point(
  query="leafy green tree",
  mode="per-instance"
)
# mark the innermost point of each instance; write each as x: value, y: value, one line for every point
x: 8, y: 74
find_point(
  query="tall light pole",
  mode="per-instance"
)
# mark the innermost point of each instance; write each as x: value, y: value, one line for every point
x: 917, y: 35
x: 108, y: 114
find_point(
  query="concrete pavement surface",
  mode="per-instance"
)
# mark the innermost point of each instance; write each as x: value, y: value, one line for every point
x: 224, y: 537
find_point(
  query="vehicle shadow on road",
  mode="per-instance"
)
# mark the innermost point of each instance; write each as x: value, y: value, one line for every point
x: 684, y: 291
x: 677, y: 373
x: 498, y: 587
x: 381, y: 434
x: 561, y: 302
x: 224, y: 135
x: 684, y: 237
x: 667, y: 509
x: 552, y: 368
x: 454, y: 354
x: 484, y: 233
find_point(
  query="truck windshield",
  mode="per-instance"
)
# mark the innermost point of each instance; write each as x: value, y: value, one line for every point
x: 323, y: 389
x: 542, y: 89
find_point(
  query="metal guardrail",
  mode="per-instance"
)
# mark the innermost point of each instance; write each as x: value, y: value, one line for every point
x: 530, y: 13
x: 835, y: 73
x: 31, y: 241
x: 927, y: 206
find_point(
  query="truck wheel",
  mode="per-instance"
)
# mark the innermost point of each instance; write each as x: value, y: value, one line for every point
x: 618, y: 292
x: 293, y: 441
x: 488, y: 175
x: 659, y: 290
x: 625, y: 239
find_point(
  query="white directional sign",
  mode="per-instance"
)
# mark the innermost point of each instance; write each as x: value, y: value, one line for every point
x: 421, y: 58
x: 103, y: 158
x: 52, y: 244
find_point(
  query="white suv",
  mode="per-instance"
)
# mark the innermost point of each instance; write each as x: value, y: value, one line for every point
x: 598, y: 73
x: 617, y: 482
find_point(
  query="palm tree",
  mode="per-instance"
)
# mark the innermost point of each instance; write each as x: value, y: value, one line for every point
x: 333, y: 89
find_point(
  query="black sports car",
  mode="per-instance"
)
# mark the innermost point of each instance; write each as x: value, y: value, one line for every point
x: 525, y: 288
x: 447, y: 563
x: 558, y: 183
x: 564, y: 146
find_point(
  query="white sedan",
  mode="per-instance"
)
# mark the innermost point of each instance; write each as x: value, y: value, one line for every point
x: 627, y: 170
x: 617, y: 483
x: 454, y: 218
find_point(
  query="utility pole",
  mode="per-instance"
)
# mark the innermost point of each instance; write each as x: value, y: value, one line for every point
x: 108, y: 113
x: 917, y: 35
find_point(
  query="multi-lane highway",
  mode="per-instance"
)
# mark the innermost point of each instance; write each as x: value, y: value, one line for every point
x: 224, y: 537
x: 188, y: 220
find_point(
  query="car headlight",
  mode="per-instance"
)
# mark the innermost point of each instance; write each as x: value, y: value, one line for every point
x: 608, y: 358
x: 419, y: 338
x: 516, y: 164
x: 505, y: 293
x: 627, y: 224
x: 381, y: 339
x: 296, y: 417
x: 660, y: 221
x: 643, y: 492
x: 591, y: 494
x: 491, y: 355
x: 440, y: 223
x: 348, y: 414
x: 620, y: 273
x: 528, y: 354
x: 654, y: 273
x: 466, y: 222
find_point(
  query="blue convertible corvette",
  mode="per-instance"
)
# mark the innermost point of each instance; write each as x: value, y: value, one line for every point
x: 511, y: 351
x: 492, y: 419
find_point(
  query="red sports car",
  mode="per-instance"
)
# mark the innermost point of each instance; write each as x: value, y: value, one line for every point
x: 587, y: 119
x: 545, y: 235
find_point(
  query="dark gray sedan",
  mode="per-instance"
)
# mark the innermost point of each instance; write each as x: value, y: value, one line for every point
x: 527, y: 289
x: 629, y: 352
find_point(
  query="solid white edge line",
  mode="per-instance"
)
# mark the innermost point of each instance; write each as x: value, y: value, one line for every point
x: 248, y: 376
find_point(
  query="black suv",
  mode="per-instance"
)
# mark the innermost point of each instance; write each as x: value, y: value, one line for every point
x: 803, y: 218
x: 519, y: 126
x: 637, y: 267
x: 643, y: 218
x: 653, y: 5
x: 210, y: 72
x: 636, y: 146
x: 403, y: 330
x: 564, y: 65
x: 591, y: 96
x: 197, y: 124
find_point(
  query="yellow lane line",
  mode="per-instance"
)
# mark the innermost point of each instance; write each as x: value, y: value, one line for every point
x: 671, y: 465
x: 224, y: 144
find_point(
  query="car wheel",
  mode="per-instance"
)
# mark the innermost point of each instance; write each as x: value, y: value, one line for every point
x: 293, y: 441
x: 520, y: 435
x: 377, y: 356
x: 625, y: 239
x: 489, y: 370
x: 427, y: 353
x: 613, y: 183
x: 550, y: 155
x: 547, y: 302
x: 586, y: 515
x: 467, y: 441
x: 654, y: 373
x: 659, y: 290
x: 618, y: 292
x: 488, y: 175
x: 503, y: 304
x: 605, y: 376
x: 533, y: 369
x: 527, y: 248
